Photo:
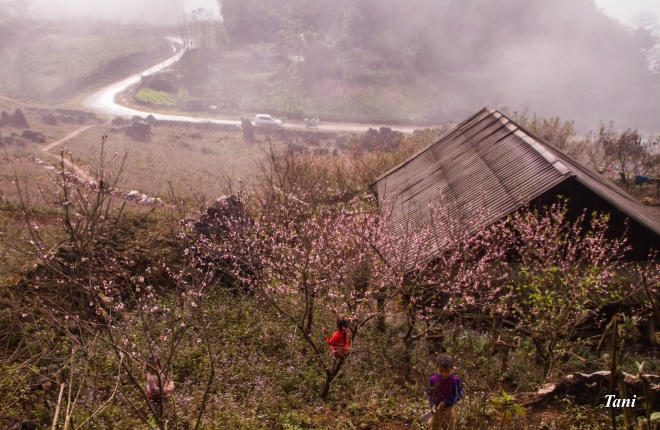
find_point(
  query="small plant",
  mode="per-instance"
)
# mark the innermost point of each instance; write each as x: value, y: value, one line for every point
x: 507, y: 407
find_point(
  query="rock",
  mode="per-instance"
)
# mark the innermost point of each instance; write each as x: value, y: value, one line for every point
x: 220, y: 216
x: 5, y: 119
x: 28, y: 425
x: 49, y: 119
x: 34, y: 136
x: 139, y: 129
x: 248, y: 130
x: 119, y: 122
x: 13, y: 140
x: 19, y: 120
x: 106, y: 301
x: 16, y: 120
x: 591, y: 389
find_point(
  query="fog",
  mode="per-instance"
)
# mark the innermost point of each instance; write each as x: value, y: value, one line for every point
x: 147, y: 11
x: 628, y: 11
x: 586, y: 60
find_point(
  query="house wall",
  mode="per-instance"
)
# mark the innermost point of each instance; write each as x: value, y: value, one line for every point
x: 642, y: 240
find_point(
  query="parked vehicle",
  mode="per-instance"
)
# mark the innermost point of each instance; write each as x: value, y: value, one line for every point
x: 312, y: 122
x: 267, y: 121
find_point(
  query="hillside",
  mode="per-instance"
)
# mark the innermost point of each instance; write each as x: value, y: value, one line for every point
x: 230, y: 259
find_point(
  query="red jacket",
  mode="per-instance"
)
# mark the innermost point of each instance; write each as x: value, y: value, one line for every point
x: 340, y: 344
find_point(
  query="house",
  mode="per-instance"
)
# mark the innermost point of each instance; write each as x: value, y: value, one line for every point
x: 488, y: 167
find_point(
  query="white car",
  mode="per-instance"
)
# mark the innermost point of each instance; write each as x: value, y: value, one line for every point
x: 267, y: 120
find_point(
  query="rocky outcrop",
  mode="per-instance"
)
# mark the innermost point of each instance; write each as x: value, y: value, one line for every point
x: 138, y: 129
x: 66, y: 116
x: 17, y: 120
x: 591, y: 389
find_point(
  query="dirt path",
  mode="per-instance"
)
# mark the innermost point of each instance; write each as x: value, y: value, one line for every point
x: 81, y: 173
x: 69, y: 136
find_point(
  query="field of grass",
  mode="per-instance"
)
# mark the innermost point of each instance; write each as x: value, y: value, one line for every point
x: 56, y: 66
x: 202, y: 159
x: 187, y: 158
x: 152, y: 97
x: 21, y: 160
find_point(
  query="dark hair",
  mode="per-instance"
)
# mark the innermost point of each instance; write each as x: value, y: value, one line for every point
x: 153, y: 365
x: 342, y: 323
x: 445, y: 361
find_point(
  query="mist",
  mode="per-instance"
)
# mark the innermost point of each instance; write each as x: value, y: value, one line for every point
x: 563, y: 58
x: 155, y: 12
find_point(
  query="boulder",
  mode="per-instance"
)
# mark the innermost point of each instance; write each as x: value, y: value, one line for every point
x: 34, y: 136
x: 49, y: 119
x: 119, y: 122
x: 139, y: 129
x: 591, y: 389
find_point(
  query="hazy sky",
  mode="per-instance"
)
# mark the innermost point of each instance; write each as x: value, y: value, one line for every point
x: 626, y: 10
x: 158, y: 11
x: 153, y: 11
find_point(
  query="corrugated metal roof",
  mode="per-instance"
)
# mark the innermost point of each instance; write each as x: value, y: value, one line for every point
x: 486, y: 168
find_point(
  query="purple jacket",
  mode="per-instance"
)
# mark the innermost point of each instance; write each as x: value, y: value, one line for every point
x: 444, y: 390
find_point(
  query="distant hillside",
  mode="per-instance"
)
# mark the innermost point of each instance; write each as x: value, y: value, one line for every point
x: 558, y: 58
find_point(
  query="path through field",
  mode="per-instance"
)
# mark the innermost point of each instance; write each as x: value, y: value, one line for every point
x: 46, y: 148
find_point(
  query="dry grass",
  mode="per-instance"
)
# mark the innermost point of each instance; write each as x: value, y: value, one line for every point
x: 191, y: 159
x: 199, y: 159
x: 29, y: 174
x: 43, y: 65
x: 21, y: 160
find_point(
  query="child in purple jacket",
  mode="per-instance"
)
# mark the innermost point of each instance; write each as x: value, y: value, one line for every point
x: 444, y: 392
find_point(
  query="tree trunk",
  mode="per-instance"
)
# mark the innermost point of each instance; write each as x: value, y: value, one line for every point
x: 326, y: 386
x: 310, y: 314
x: 408, y: 338
x: 380, y: 308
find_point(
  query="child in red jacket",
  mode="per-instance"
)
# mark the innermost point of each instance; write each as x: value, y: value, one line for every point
x: 340, y: 344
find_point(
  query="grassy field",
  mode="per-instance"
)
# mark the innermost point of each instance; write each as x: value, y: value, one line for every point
x: 55, y: 66
x: 199, y: 158
x: 153, y: 97
x: 182, y: 156
x: 202, y: 159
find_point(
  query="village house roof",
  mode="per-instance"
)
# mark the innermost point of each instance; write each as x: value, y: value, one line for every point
x: 488, y: 167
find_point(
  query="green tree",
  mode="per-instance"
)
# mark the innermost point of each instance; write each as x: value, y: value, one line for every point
x: 286, y: 92
x: 562, y: 272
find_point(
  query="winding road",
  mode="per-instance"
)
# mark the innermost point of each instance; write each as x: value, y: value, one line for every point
x: 104, y: 101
